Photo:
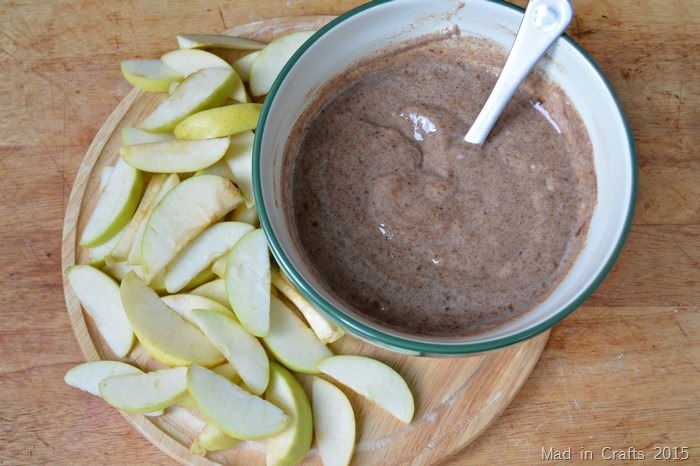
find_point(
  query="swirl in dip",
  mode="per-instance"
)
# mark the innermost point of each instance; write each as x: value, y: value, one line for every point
x: 418, y: 230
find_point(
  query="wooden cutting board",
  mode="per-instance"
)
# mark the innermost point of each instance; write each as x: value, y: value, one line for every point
x: 456, y: 398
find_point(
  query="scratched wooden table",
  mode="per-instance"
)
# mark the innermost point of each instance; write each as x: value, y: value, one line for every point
x: 620, y: 377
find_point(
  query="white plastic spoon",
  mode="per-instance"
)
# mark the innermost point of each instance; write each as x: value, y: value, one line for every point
x: 543, y: 23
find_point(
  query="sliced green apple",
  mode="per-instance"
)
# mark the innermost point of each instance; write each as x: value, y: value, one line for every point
x: 121, y: 250
x: 145, y: 392
x: 115, y: 205
x: 324, y: 330
x: 189, y: 61
x: 271, y: 60
x: 135, y: 254
x: 175, y: 156
x: 245, y: 353
x: 211, y: 438
x: 227, y: 370
x: 131, y: 136
x: 219, y: 122
x: 99, y: 296
x: 244, y: 64
x: 191, y: 41
x: 206, y: 88
x: 291, y: 342
x: 246, y: 214
x: 184, y: 303
x: 247, y: 278
x: 233, y: 410
x: 334, y: 423
x: 151, y: 75
x: 214, y: 290
x: 374, y: 380
x: 239, y: 158
x: 186, y: 211
x: 164, y: 334
x: 291, y: 445
x: 97, y: 256
x: 88, y: 375
x: 219, y: 168
x: 210, y: 245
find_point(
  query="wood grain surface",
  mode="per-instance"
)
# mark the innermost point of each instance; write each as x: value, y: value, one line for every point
x: 620, y: 374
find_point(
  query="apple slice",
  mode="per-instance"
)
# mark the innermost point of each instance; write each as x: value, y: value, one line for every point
x: 189, y: 61
x: 183, y: 304
x: 175, y: 156
x: 246, y: 214
x: 271, y: 60
x: 145, y: 392
x: 243, y: 65
x: 219, y: 122
x: 88, y: 375
x: 115, y: 205
x: 240, y: 348
x: 170, y: 182
x: 219, y: 267
x: 191, y: 41
x: 97, y: 256
x: 131, y: 136
x: 291, y: 342
x: 99, y: 296
x: 214, y: 290
x: 203, y: 89
x: 334, y: 423
x: 219, y: 168
x: 227, y: 370
x: 164, y: 334
x: 292, y: 444
x: 211, y: 438
x: 239, y: 158
x: 374, y: 380
x: 324, y: 330
x: 210, y: 245
x: 121, y: 250
x: 224, y: 370
x: 232, y: 409
x: 186, y: 211
x: 247, y: 279
x: 151, y: 75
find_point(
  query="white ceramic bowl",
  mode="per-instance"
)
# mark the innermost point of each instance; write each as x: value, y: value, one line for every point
x: 378, y: 25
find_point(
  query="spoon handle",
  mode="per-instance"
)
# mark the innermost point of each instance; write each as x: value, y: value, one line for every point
x: 543, y: 23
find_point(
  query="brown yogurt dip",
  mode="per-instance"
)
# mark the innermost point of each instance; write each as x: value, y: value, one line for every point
x: 412, y: 227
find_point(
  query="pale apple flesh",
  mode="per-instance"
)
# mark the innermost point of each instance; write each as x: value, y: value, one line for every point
x: 206, y: 88
x: 88, y: 375
x: 115, y: 205
x: 248, y: 283
x: 202, y: 251
x: 99, y: 295
x: 186, y: 211
x: 145, y: 392
x: 374, y: 380
x: 151, y: 75
x: 233, y: 410
x: 334, y: 423
x: 291, y: 445
x: 292, y: 343
x: 175, y: 156
x: 164, y: 334
x: 245, y: 353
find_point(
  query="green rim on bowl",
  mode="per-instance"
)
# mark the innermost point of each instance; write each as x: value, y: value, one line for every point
x: 406, y: 344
